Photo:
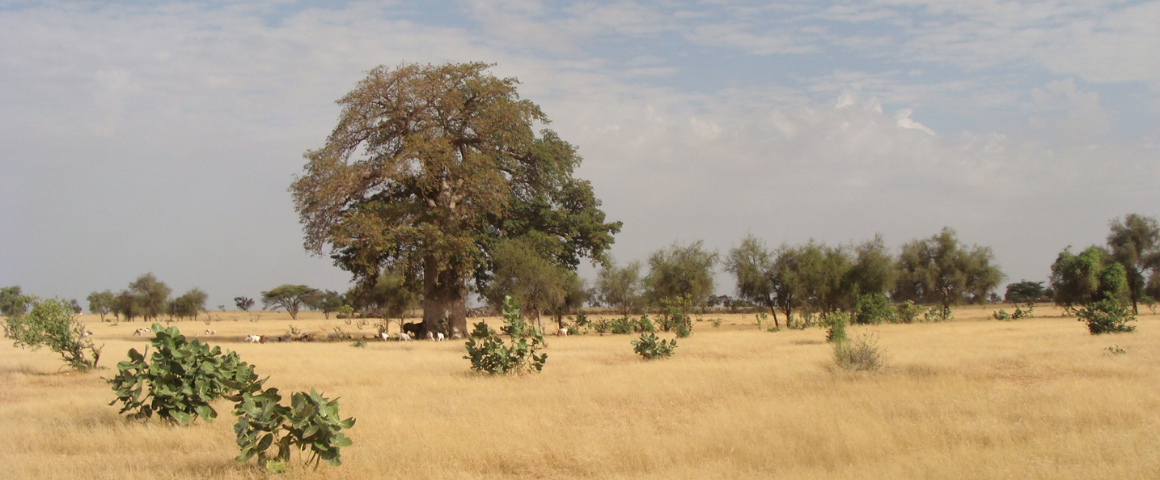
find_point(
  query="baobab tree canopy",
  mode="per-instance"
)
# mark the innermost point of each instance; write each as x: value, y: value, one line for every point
x: 429, y: 168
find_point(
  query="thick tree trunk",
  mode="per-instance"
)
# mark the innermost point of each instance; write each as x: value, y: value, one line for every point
x: 444, y: 298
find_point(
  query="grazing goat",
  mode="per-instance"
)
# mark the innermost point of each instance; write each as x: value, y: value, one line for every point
x: 383, y: 336
x: 253, y: 338
x: 210, y: 332
x: 142, y: 331
x: 404, y: 337
x: 439, y: 337
x: 563, y: 332
x: 431, y: 336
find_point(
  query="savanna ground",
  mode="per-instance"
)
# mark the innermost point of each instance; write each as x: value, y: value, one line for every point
x: 972, y: 398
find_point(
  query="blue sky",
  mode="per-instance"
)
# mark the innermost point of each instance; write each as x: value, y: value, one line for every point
x: 159, y: 136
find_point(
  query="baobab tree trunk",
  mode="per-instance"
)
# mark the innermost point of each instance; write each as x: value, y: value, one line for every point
x: 444, y: 298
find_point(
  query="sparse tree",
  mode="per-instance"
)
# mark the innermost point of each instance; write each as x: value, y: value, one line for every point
x: 524, y: 275
x: 329, y: 302
x: 874, y: 269
x: 680, y: 272
x: 429, y: 169
x: 620, y: 287
x: 101, y: 303
x: 151, y: 295
x: 1135, y: 244
x: 289, y: 297
x: 390, y: 295
x: 941, y: 270
x: 53, y: 324
x: 126, y: 304
x: 811, y: 277
x: 753, y: 268
x: 244, y: 303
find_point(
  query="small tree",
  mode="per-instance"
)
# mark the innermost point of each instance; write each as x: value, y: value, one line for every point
x: 529, y: 278
x: 941, y: 270
x: 752, y: 266
x: 244, y: 303
x: 288, y: 297
x: 190, y: 304
x: 329, y: 302
x: 151, y: 296
x: 1025, y: 291
x: 126, y: 304
x: 1087, y: 278
x: 53, y: 324
x: 681, y: 272
x: 620, y: 287
x: 1135, y: 244
x: 101, y: 303
x: 12, y: 302
x: 1107, y: 316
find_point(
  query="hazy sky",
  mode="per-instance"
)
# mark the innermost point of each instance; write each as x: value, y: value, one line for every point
x: 161, y: 137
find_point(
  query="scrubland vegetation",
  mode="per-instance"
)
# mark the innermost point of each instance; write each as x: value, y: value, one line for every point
x: 970, y: 398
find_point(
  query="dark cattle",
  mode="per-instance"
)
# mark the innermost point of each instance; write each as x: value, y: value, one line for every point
x: 415, y: 330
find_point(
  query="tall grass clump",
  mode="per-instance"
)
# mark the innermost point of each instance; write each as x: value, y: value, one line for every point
x: 859, y: 354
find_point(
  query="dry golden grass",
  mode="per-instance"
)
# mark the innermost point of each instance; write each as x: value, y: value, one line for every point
x: 973, y: 398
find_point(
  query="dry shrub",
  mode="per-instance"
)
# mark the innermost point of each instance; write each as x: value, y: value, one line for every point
x: 859, y: 354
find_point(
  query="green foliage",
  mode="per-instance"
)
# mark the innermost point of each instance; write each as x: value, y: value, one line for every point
x: 1001, y: 315
x: 1021, y: 313
x: 1107, y: 316
x: 859, y: 354
x: 189, y: 305
x: 180, y: 379
x: 873, y: 308
x: 907, y: 312
x: 12, y: 302
x: 489, y: 354
x: 752, y: 266
x: 101, y: 303
x: 716, y: 323
x: 528, y: 277
x: 150, y: 295
x: 1114, y: 350
x: 620, y: 287
x: 54, y: 324
x: 602, y: 325
x: 676, y: 315
x: 1024, y: 292
x: 646, y: 324
x: 289, y: 297
x: 941, y: 270
x: 650, y: 348
x: 835, y: 324
x: 1087, y: 278
x: 622, y: 326
x: 938, y: 314
x: 330, y: 302
x: 267, y: 429
x: 680, y: 272
x: 1135, y: 245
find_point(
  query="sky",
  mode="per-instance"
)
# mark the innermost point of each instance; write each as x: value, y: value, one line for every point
x: 161, y: 137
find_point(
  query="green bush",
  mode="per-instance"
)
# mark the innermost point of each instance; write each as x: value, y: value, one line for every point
x: 873, y: 308
x: 310, y: 422
x: 53, y: 324
x: 646, y: 325
x: 489, y: 354
x: 907, y: 312
x: 602, y: 326
x: 180, y: 380
x: 1021, y: 313
x: 860, y: 354
x: 1107, y: 316
x: 835, y: 324
x: 622, y: 326
x: 1001, y: 315
x: 649, y: 348
x: 938, y: 314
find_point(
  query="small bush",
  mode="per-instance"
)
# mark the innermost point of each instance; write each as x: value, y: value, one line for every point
x: 310, y: 422
x: 602, y: 326
x: 1114, y: 350
x: 53, y: 324
x: 180, y: 379
x: 1021, y: 313
x: 489, y: 354
x: 835, y: 323
x: 860, y: 354
x: 1107, y: 316
x: 1001, y: 315
x: 938, y: 314
x: 646, y: 324
x: 873, y: 308
x: 622, y: 326
x: 716, y: 322
x: 649, y: 348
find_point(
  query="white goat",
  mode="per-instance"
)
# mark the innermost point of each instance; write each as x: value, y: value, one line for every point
x: 404, y: 337
x: 383, y: 336
x: 563, y: 332
x: 210, y: 332
x: 142, y: 331
x: 430, y: 335
x: 251, y: 338
x: 439, y: 337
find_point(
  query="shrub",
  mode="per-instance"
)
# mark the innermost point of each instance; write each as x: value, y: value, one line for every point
x: 487, y: 350
x: 835, y: 323
x: 649, y: 348
x: 1001, y: 315
x: 53, y: 324
x: 180, y: 380
x: 1107, y: 316
x: 907, y: 312
x: 310, y: 422
x: 646, y: 325
x: 1021, y: 313
x: 622, y: 326
x: 873, y: 308
x: 602, y: 326
x: 1114, y: 350
x: 860, y: 354
x: 938, y: 314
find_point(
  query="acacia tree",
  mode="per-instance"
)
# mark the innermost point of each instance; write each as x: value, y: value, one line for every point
x: 1087, y: 278
x: 1135, y: 244
x: 390, y: 295
x: 429, y: 168
x: 527, y: 277
x: 941, y: 270
x: 151, y: 295
x: 752, y: 266
x: 620, y: 287
x: 101, y: 303
x: 289, y: 297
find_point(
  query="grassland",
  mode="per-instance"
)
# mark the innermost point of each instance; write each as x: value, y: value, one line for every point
x: 972, y: 398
